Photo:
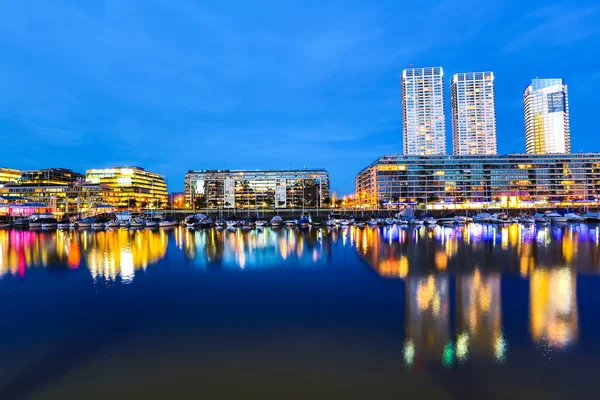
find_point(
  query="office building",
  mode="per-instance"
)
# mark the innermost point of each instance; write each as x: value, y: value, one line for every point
x: 423, y: 118
x: 9, y: 175
x: 254, y: 189
x: 491, y: 181
x: 546, y: 106
x: 473, y: 113
x: 50, y: 177
x: 133, y: 187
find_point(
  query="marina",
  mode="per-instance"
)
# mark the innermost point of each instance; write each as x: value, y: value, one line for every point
x: 429, y: 310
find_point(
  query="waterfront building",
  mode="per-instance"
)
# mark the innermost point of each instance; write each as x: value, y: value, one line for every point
x: 79, y: 197
x: 50, y: 177
x: 254, y: 189
x: 473, y: 113
x: 476, y: 181
x: 133, y: 187
x: 9, y: 175
x: 546, y: 106
x: 423, y: 117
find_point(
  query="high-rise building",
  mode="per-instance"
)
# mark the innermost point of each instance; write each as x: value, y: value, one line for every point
x: 423, y: 118
x: 473, y: 113
x: 50, y: 176
x: 546, y: 106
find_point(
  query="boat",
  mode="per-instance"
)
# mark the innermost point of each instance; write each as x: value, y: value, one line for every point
x: 124, y: 224
x: 5, y: 225
x: 247, y: 224
x: 359, y: 222
x: 260, y: 224
x: 430, y: 221
x: 540, y: 218
x: 330, y: 222
x: 137, y: 223
x: 49, y: 223
x: 554, y: 217
x: 574, y: 217
x: 290, y: 222
x: 20, y: 223
x: 112, y: 224
x: 373, y: 221
x: 526, y: 219
x: 232, y: 223
x: 63, y: 224
x: 304, y: 220
x: 99, y: 224
x: 500, y: 218
x: 277, y: 221
x: 336, y: 217
x: 84, y: 223
x: 592, y: 216
x: 389, y: 221
x: 482, y: 218
x: 167, y: 223
x: 153, y: 223
x: 205, y: 222
x: 461, y: 220
x: 448, y: 220
x: 345, y: 222
x: 416, y: 221
x: 221, y: 222
x: 35, y: 221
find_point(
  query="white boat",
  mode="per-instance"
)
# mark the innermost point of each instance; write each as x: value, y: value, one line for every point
x: 446, y: 221
x: 290, y: 222
x: 5, y: 226
x: 112, y: 224
x: 336, y: 217
x: 592, y: 216
x: 461, y: 220
x: 373, y: 222
x: 231, y: 223
x: 21, y: 223
x: 124, y: 224
x: 574, y: 217
x: 63, y: 225
x: 389, y: 221
x: 137, y: 223
x: 98, y: 225
x: 540, y: 218
x: 500, y: 218
x: 84, y: 223
x: 416, y: 221
x: 277, y: 221
x: 359, y: 222
x: 526, y: 219
x: 261, y: 223
x: 167, y: 223
x: 482, y: 218
x: 330, y: 222
x: 555, y: 217
x: 345, y: 222
x: 430, y: 221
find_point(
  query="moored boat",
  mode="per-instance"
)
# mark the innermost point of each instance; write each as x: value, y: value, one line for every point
x: 277, y: 221
x: 574, y: 217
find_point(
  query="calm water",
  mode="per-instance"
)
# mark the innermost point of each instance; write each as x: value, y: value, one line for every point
x: 472, y: 312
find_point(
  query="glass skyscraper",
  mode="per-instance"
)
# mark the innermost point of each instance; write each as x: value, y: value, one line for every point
x: 423, y: 119
x: 473, y: 113
x: 546, y: 107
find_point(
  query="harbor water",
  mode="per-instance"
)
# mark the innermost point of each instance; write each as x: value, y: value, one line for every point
x: 476, y: 311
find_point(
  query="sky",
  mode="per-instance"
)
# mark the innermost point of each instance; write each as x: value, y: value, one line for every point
x: 175, y: 85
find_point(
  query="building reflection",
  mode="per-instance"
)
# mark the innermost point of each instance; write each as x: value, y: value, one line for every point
x: 477, y: 256
x: 553, y: 314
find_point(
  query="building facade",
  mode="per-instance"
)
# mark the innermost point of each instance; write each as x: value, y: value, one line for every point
x: 254, y: 189
x: 50, y: 177
x: 133, y: 187
x: 423, y: 116
x: 546, y: 106
x: 514, y: 180
x: 9, y: 175
x: 473, y: 113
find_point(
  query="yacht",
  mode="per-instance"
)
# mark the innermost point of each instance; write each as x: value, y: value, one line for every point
x: 430, y: 221
x: 35, y: 221
x: 205, y: 222
x: 99, y: 224
x: 359, y: 222
x: 112, y: 224
x: 5, y: 225
x: 261, y: 223
x: 330, y: 222
x: 277, y: 221
x: 63, y: 224
x: 540, y: 218
x: 574, y: 217
x: 21, y: 223
x: 221, y: 222
x: 84, y: 223
x: 592, y: 216
x: 526, y: 219
x: 153, y: 222
x: 448, y: 220
x: 416, y: 221
x: 482, y: 218
x: 555, y: 217
x: 345, y: 221
x: 167, y: 223
x: 373, y: 221
x: 248, y: 224
x: 389, y: 221
x: 500, y: 218
x: 461, y: 220
x: 124, y: 224
x: 137, y: 223
x: 303, y: 221
x: 336, y: 217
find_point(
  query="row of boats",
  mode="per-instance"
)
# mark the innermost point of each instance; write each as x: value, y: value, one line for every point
x: 47, y: 221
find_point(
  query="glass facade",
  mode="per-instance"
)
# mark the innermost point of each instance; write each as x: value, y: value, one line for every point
x: 9, y: 175
x: 248, y: 189
x: 423, y: 117
x: 515, y: 180
x: 546, y: 106
x: 133, y: 187
x: 50, y: 176
x: 473, y: 113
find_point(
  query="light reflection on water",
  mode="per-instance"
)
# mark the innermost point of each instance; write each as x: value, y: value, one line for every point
x: 433, y: 262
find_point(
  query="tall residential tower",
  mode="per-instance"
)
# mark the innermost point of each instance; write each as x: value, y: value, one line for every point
x: 546, y: 106
x: 473, y: 113
x: 423, y: 119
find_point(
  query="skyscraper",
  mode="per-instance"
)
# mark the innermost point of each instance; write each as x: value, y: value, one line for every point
x: 546, y: 106
x: 473, y: 113
x: 423, y: 119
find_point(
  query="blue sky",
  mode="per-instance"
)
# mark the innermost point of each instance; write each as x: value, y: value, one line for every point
x: 173, y: 85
